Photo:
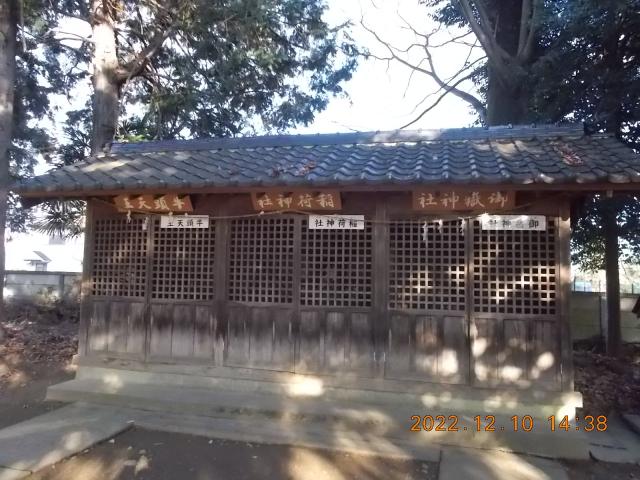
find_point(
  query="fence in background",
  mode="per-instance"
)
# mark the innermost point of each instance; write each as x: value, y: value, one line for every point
x: 590, y: 285
x: 589, y: 315
x: 42, y: 286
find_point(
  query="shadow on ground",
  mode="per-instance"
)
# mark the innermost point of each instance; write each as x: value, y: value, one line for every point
x: 139, y: 453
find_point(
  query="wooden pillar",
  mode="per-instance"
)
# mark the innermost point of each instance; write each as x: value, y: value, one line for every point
x: 380, y: 283
x: 87, y: 280
x: 148, y: 286
x: 220, y: 279
x: 468, y: 281
x: 564, y: 298
x: 295, y: 325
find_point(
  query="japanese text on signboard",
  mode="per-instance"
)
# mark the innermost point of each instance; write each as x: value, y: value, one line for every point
x: 336, y: 222
x: 154, y: 203
x: 513, y: 222
x: 184, y: 221
x: 455, y: 200
x: 271, y: 201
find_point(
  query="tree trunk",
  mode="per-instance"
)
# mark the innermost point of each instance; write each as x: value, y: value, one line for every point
x: 106, y: 88
x: 507, y: 94
x: 506, y: 103
x: 610, y: 230
x: 8, y: 16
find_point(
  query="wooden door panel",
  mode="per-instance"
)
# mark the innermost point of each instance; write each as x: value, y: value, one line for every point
x: 360, y: 358
x: 181, y: 331
x: 311, y: 343
x: 515, y: 352
x: 259, y: 337
x: 335, y: 342
x: 98, y: 326
x: 203, y: 333
x: 116, y: 327
x: 160, y: 327
x: 237, y: 345
x: 427, y: 348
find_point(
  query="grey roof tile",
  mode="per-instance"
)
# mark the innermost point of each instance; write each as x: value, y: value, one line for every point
x: 518, y: 155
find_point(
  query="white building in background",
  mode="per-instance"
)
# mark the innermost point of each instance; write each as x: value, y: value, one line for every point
x: 38, y: 252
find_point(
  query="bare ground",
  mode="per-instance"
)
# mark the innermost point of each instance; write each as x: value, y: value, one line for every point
x: 41, y: 341
x: 607, y: 384
x: 143, y: 454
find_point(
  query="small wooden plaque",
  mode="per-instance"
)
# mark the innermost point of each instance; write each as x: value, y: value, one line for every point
x: 308, y: 200
x: 438, y: 201
x: 154, y: 203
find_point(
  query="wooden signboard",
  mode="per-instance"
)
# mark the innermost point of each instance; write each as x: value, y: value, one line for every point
x: 457, y: 200
x: 309, y: 200
x: 155, y: 203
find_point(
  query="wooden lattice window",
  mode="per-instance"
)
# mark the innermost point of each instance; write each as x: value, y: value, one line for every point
x: 261, y: 260
x: 183, y: 260
x: 514, y: 272
x: 336, y: 267
x: 427, y: 270
x: 119, y: 257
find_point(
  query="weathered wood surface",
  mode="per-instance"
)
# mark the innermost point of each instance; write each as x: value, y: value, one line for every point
x: 116, y: 327
x: 259, y: 337
x: 335, y: 342
x: 181, y: 330
x: 374, y: 341
x: 515, y: 352
x: 428, y: 348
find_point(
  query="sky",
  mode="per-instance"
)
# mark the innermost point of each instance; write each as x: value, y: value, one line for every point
x: 378, y: 97
x: 376, y: 94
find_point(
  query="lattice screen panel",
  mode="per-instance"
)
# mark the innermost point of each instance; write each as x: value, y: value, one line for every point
x: 427, y: 270
x: 183, y: 262
x: 119, y: 258
x: 336, y: 267
x: 514, y: 272
x: 261, y: 260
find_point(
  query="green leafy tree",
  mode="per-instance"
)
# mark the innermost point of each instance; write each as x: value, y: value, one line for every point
x: 168, y: 69
x: 206, y: 68
x: 29, y: 72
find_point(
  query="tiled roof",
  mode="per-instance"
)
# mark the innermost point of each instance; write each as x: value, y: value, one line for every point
x: 499, y: 155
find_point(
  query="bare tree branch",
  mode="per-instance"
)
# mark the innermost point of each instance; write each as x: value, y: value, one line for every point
x: 479, y: 107
x: 497, y: 56
x: 525, y: 25
x: 527, y: 48
x: 136, y: 65
x: 443, y: 85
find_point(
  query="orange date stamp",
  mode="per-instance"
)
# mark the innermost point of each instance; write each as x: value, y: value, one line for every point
x: 517, y: 423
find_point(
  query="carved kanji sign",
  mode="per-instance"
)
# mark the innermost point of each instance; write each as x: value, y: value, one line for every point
x: 310, y: 200
x: 456, y: 200
x: 155, y: 203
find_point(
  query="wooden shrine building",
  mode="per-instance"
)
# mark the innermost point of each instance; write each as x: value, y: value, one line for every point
x: 399, y: 262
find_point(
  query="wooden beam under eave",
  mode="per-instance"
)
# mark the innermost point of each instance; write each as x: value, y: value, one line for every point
x: 546, y: 187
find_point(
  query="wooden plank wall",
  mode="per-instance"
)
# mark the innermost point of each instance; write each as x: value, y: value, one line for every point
x: 335, y: 342
x: 428, y: 348
x: 374, y: 342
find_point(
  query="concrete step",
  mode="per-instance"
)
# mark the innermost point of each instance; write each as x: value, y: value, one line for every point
x: 391, y: 421
x: 437, y: 397
x: 44, y: 440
